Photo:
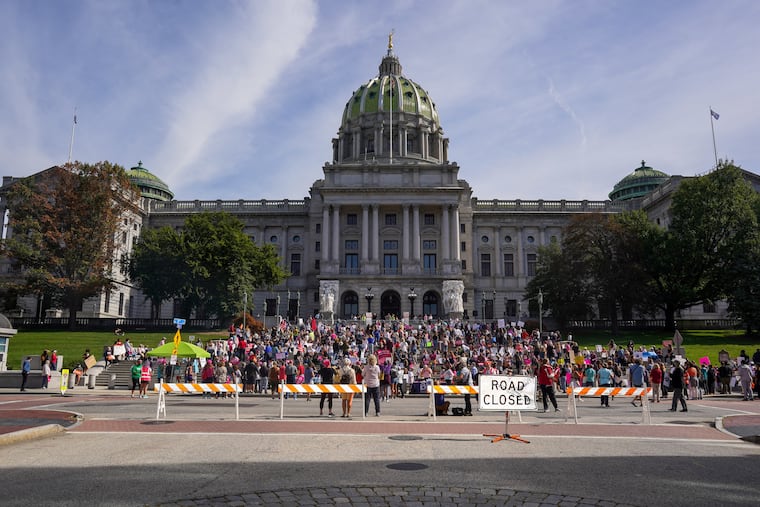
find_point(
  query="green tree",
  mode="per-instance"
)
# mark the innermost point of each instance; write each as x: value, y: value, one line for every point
x: 147, y: 266
x: 562, y: 279
x: 64, y: 222
x: 220, y: 262
x: 696, y: 259
x: 743, y: 286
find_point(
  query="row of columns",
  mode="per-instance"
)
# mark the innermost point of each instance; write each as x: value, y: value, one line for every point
x: 400, y: 135
x: 411, y: 240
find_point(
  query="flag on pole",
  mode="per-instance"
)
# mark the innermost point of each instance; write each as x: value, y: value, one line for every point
x: 714, y: 114
x: 75, y: 119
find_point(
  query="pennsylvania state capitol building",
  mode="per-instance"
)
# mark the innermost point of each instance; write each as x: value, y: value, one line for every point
x: 390, y: 229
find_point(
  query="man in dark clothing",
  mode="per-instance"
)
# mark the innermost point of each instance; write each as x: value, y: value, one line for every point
x: 724, y: 375
x: 676, y: 382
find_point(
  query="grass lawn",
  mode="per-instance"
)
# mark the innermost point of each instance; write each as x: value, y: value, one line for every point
x: 696, y: 343
x: 71, y: 345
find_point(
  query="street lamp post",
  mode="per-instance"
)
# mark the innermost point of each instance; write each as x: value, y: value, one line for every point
x: 412, y: 296
x: 483, y: 306
x: 369, y: 297
x: 540, y: 311
x: 245, y: 307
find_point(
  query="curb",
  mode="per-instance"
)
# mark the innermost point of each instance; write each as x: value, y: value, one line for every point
x: 47, y: 430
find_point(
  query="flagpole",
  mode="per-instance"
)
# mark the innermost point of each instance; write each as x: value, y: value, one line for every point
x: 390, y: 105
x: 712, y: 128
x: 73, y: 127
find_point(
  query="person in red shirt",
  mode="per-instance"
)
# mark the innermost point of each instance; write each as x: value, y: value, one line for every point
x: 655, y: 378
x: 546, y: 375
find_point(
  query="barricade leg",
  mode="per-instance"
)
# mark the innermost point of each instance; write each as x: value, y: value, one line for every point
x: 282, y: 400
x: 237, y: 402
x: 161, y: 407
x: 646, y: 415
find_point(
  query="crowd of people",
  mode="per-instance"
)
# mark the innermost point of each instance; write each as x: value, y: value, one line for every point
x: 402, y: 359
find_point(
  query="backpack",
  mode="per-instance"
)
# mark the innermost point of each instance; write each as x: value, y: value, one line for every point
x: 345, y: 378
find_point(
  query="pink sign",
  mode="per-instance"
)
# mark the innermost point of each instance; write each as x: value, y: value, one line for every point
x: 704, y: 360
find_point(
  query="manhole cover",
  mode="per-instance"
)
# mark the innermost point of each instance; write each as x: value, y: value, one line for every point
x: 405, y: 437
x: 407, y: 466
x: 157, y: 422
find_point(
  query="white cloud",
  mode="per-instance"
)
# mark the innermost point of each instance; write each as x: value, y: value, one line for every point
x: 238, y: 100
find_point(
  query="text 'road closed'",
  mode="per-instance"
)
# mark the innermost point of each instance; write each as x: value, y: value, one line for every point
x: 499, y: 392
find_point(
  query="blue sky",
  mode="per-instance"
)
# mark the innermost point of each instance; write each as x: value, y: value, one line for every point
x: 240, y: 100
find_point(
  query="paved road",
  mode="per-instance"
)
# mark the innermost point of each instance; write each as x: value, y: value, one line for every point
x: 116, y: 452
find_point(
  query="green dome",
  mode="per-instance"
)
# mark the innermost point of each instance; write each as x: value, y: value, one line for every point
x: 638, y: 184
x: 390, y: 117
x: 375, y: 97
x: 149, y: 184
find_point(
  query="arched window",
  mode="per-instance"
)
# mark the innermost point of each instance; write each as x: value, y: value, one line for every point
x: 350, y: 305
x: 430, y: 304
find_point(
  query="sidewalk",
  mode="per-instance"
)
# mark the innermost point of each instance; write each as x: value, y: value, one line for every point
x: 36, y: 409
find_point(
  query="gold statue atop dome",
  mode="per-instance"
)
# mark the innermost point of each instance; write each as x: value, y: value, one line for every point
x: 390, y: 40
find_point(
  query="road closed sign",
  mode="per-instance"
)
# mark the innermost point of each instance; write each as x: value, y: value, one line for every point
x: 501, y: 392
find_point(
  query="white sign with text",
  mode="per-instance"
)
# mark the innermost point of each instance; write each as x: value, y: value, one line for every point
x: 502, y: 392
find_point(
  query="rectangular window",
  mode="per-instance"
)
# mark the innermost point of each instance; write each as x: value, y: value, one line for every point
x: 485, y: 264
x: 270, y: 305
x: 429, y: 219
x: 352, y: 244
x: 121, y: 304
x: 316, y: 264
x: 512, y: 308
x: 390, y: 219
x: 317, y: 246
x: 429, y: 263
x: 316, y: 296
x: 531, y: 258
x: 390, y: 244
x: 488, y: 308
x: 107, y: 303
x: 463, y: 246
x: 464, y: 297
x: 461, y: 229
x: 352, y: 262
x: 429, y: 244
x: 319, y: 228
x: 509, y: 264
x: 295, y: 264
x: 351, y: 219
x: 464, y: 265
x: 390, y: 264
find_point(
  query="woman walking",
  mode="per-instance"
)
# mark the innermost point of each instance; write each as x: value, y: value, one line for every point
x: 371, y: 379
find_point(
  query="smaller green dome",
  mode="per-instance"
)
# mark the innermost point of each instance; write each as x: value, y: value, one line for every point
x: 149, y: 184
x: 638, y: 184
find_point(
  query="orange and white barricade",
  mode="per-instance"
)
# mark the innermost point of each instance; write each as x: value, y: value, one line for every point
x: 623, y: 392
x: 446, y: 389
x: 319, y: 389
x: 163, y: 389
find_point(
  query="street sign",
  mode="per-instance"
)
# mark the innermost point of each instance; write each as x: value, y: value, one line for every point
x: 179, y: 322
x: 505, y: 393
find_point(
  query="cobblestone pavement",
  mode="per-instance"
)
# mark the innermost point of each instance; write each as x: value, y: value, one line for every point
x: 407, y: 496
